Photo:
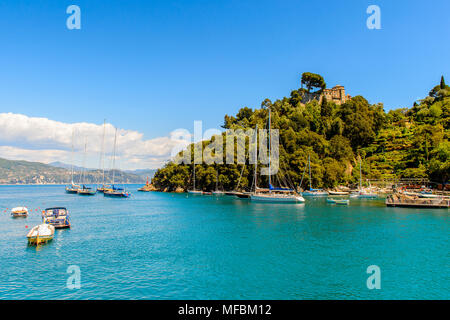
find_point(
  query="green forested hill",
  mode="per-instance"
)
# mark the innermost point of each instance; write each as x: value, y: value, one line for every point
x: 24, y: 172
x: 403, y: 143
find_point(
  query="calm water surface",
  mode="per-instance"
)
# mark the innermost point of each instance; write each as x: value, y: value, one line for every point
x: 174, y: 246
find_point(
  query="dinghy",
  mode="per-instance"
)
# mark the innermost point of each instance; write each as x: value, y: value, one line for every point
x: 19, y: 212
x: 338, y: 193
x: 344, y: 202
x: 41, y: 234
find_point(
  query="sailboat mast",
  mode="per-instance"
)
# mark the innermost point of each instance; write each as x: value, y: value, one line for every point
x: 114, y: 157
x: 360, y: 174
x: 309, y: 163
x: 194, y: 174
x: 256, y: 157
x: 71, y: 169
x: 217, y: 179
x: 102, y: 155
x: 84, y: 161
x: 270, y: 150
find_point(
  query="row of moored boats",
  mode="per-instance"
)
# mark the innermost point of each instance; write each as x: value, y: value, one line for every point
x: 52, y: 218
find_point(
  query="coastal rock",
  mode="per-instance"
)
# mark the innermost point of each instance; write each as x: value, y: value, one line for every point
x: 179, y: 190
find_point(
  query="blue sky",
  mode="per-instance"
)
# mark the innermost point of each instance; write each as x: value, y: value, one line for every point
x: 155, y: 66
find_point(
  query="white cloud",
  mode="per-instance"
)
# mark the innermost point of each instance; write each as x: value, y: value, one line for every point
x: 45, y: 140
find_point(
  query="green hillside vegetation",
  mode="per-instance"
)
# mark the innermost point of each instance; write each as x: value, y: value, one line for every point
x: 25, y: 172
x: 403, y: 143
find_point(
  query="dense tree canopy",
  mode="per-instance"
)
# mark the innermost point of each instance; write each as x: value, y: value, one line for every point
x: 313, y: 81
x: 403, y: 143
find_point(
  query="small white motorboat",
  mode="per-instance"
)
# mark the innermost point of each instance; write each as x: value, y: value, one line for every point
x: 195, y: 192
x: 41, y: 234
x: 19, y: 212
x: 344, y: 202
x: 338, y: 193
x: 281, y: 198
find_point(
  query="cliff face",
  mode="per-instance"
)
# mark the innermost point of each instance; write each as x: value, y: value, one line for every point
x: 24, y: 172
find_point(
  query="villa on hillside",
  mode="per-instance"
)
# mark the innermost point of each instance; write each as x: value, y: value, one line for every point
x: 336, y: 94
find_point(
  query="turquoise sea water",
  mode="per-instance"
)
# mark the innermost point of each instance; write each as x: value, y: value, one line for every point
x: 175, y: 246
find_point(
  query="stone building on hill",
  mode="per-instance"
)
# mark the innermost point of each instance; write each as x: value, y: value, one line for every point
x: 336, y: 94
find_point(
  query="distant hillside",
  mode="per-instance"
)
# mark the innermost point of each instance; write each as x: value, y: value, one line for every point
x: 63, y: 165
x: 144, y: 173
x: 25, y: 172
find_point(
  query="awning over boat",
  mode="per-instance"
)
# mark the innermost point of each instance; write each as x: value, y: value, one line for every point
x: 279, y: 189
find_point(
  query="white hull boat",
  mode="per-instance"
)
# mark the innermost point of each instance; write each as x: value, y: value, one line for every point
x: 315, y: 194
x: 19, y: 212
x: 338, y: 193
x: 277, y: 198
x: 195, y: 192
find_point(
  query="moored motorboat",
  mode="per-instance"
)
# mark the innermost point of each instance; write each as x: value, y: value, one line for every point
x: 314, y: 193
x: 218, y: 193
x: 338, y: 193
x: 195, y: 192
x: 19, y: 212
x: 41, y: 234
x: 364, y: 194
x: 57, y: 217
x: 407, y: 201
x: 339, y: 201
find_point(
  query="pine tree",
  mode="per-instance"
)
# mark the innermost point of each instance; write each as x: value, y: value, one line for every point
x: 442, y: 82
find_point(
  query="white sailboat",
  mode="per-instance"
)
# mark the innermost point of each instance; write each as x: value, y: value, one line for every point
x: 313, y: 192
x: 102, y: 162
x: 217, y: 192
x: 363, y: 193
x: 276, y: 195
x: 84, y: 190
x: 193, y: 191
x: 72, y: 188
x: 115, y: 192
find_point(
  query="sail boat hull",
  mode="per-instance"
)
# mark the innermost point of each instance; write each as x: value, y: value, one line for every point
x: 116, y: 194
x: 87, y: 192
x: 276, y: 198
x: 314, y: 194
